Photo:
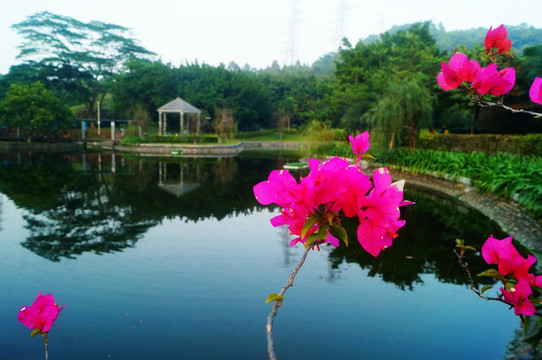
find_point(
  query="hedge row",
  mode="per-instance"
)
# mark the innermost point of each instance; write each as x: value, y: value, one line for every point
x: 490, y: 144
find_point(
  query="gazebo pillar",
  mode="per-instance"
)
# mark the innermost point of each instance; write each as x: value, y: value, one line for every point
x: 159, y: 122
x: 197, y: 125
x: 181, y: 126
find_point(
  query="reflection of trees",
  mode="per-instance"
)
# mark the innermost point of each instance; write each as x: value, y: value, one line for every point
x: 87, y: 202
x: 69, y: 211
x: 425, y: 244
x: 1, y: 209
x: 83, y: 220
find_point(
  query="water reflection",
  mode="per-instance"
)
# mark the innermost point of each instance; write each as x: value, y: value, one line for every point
x: 425, y: 245
x: 105, y: 203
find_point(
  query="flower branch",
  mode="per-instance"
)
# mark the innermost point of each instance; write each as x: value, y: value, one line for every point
x: 278, y: 302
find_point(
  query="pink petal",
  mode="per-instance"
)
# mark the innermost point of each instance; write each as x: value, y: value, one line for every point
x: 535, y: 92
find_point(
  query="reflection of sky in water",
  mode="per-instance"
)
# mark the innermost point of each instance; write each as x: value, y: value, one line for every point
x: 197, y: 290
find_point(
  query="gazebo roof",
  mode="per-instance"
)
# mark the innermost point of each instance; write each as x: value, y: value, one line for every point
x: 179, y: 105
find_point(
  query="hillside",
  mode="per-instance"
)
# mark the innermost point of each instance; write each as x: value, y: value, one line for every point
x: 522, y: 36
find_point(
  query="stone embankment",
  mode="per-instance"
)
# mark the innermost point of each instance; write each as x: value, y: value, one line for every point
x: 205, y: 150
x: 510, y: 216
x: 38, y: 146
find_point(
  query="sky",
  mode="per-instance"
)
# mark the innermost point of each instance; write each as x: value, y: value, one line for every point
x: 257, y: 32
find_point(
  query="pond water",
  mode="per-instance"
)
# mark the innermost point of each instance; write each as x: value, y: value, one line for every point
x: 173, y: 259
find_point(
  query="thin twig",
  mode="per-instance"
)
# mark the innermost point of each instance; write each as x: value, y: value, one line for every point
x: 465, y: 265
x: 277, y: 303
x: 46, y: 340
x: 501, y: 105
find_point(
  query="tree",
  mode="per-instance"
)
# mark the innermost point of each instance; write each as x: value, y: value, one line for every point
x: 406, y: 105
x: 34, y: 109
x: 96, y: 49
x: 225, y: 124
x: 363, y: 73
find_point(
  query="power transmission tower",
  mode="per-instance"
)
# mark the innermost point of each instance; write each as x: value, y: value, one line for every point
x: 341, y: 22
x: 292, y: 54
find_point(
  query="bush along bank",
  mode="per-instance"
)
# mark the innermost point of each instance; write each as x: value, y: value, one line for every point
x: 530, y: 144
x: 511, y: 176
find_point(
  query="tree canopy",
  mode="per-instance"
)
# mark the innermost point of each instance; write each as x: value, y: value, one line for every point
x: 34, y: 109
x: 88, y: 54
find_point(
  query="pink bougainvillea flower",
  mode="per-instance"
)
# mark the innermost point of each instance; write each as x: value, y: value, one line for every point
x: 280, y: 188
x: 518, y: 296
x: 448, y: 78
x: 496, y: 38
x: 535, y: 92
x: 489, y: 80
x: 509, y: 260
x: 41, y: 315
x: 334, y: 188
x: 360, y: 144
x: 379, y: 213
x: 469, y: 70
x: 535, y: 280
x: 458, y: 70
x: 492, y: 248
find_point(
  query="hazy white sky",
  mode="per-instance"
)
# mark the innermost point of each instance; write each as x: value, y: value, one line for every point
x: 256, y: 32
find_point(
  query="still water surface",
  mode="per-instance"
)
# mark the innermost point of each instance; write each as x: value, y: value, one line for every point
x: 173, y: 259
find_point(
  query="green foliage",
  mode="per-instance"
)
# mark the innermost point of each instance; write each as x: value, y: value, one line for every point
x: 511, y: 176
x: 87, y: 54
x: 151, y: 84
x: 274, y: 297
x: 523, y: 36
x: 370, y: 74
x: 406, y: 105
x: 318, y: 133
x: 530, y: 144
x: 253, y: 134
x: 34, y: 109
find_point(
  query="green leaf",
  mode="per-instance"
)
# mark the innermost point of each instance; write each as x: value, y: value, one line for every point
x: 493, y: 273
x: 309, y: 223
x: 485, y: 288
x: 321, y: 234
x: 339, y: 233
x: 466, y: 247
x: 274, y: 297
x: 35, y: 332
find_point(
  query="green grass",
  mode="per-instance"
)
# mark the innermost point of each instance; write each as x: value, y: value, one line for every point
x: 275, y: 136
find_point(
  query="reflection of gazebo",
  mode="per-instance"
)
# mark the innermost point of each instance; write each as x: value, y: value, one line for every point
x: 176, y: 106
x: 177, y: 187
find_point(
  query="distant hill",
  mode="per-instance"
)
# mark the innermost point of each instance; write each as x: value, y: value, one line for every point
x: 522, y: 36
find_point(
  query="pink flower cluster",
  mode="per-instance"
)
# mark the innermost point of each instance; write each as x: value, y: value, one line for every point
x: 497, y: 39
x: 535, y: 92
x: 511, y: 263
x: 331, y: 189
x: 483, y: 80
x: 41, y: 315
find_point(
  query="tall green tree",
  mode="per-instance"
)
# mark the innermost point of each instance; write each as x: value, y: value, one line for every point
x: 95, y: 49
x: 405, y: 107
x: 35, y: 110
x: 364, y: 73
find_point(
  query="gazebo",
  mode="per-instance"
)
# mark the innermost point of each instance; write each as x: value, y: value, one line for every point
x: 176, y: 106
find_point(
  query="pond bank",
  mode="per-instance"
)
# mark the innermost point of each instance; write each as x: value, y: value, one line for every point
x: 39, y: 146
x: 510, y: 216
